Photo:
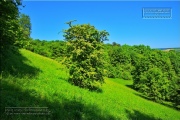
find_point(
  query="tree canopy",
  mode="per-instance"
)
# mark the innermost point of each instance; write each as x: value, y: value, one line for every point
x: 84, y: 54
x: 9, y: 26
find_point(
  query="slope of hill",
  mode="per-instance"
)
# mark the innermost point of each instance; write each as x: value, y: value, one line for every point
x: 42, y: 82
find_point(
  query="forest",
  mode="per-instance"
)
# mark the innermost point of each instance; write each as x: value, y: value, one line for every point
x: 88, y: 61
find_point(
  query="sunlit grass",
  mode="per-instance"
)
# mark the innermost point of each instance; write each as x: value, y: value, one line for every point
x: 49, y: 88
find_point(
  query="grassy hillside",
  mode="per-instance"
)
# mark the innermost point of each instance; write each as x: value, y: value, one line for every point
x: 42, y: 82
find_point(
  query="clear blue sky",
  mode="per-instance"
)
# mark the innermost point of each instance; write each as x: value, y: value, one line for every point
x: 123, y: 21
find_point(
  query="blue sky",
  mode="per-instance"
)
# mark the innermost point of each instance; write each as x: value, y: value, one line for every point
x: 123, y: 21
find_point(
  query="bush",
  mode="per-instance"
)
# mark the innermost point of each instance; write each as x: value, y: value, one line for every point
x: 153, y: 84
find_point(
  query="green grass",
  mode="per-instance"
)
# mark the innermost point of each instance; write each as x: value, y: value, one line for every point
x: 42, y: 82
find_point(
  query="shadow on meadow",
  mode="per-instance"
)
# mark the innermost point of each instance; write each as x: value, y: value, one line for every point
x: 137, y: 115
x: 130, y: 86
x: 60, y: 107
x: 15, y: 64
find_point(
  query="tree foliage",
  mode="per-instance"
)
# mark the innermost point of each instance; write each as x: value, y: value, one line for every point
x: 24, y: 30
x: 85, y: 53
x: 54, y: 49
x: 9, y: 27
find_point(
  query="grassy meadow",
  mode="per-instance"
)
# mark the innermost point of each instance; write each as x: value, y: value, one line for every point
x: 37, y: 81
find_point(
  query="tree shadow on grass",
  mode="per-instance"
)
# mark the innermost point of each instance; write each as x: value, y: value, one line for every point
x: 93, y: 88
x: 130, y: 86
x: 96, y: 89
x: 138, y: 94
x: 15, y: 64
x: 59, y: 108
x: 137, y: 115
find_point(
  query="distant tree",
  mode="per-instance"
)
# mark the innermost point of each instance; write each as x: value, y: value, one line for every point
x: 84, y: 52
x: 175, y: 61
x: 115, y: 44
x: 25, y: 30
x: 120, y: 62
x: 25, y: 24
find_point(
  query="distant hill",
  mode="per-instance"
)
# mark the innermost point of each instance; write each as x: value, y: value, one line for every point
x: 168, y: 49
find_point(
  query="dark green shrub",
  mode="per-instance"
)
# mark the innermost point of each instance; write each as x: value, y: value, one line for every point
x: 152, y: 83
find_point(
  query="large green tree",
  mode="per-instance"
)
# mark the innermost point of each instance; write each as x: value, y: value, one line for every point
x: 9, y: 26
x: 85, y: 55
